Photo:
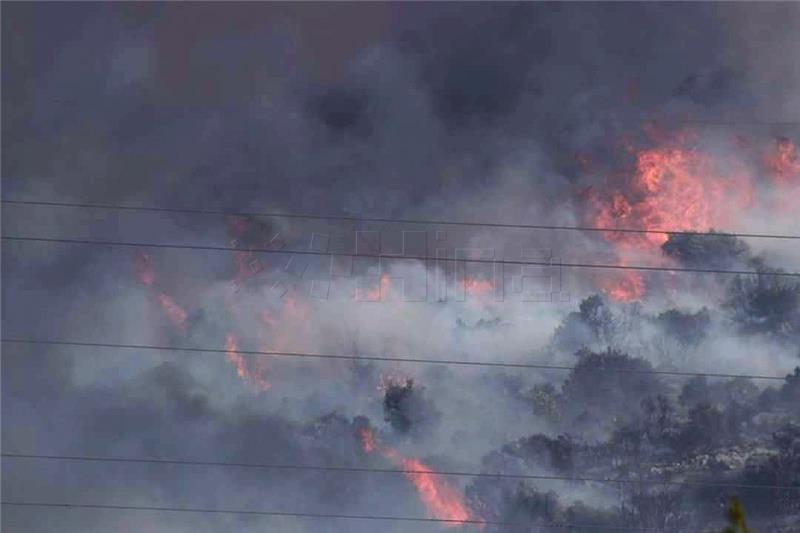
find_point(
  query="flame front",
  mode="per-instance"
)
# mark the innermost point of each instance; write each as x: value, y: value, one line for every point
x: 674, y: 186
x: 440, y: 499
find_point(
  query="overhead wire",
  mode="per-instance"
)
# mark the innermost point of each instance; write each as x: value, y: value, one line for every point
x: 354, y: 469
x: 377, y: 358
x: 392, y: 220
x: 558, y: 264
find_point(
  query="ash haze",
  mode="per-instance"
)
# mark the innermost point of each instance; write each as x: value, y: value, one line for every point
x: 654, y: 115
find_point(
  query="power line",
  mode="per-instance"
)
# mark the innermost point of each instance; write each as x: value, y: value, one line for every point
x: 375, y: 358
x: 560, y: 264
x: 273, y: 466
x: 470, y: 521
x: 384, y: 220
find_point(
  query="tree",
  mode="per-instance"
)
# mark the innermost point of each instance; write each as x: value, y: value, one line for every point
x: 736, y: 521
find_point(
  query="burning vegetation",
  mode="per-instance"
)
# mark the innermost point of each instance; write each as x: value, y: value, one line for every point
x: 675, y: 183
x: 441, y: 500
x: 291, y: 381
x: 146, y: 275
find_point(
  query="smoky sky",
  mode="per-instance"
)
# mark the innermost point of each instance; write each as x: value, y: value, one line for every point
x: 444, y: 111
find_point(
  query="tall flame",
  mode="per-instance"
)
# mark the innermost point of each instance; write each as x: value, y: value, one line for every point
x: 255, y: 376
x: 673, y: 186
x: 441, y: 500
x: 174, y: 311
x: 231, y: 353
x: 143, y: 265
x: 783, y: 162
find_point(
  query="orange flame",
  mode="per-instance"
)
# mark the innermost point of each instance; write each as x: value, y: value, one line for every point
x: 477, y: 286
x: 231, y: 347
x: 625, y: 286
x: 173, y: 310
x: 367, y: 438
x: 255, y: 378
x: 441, y: 500
x: 144, y: 268
x: 673, y: 186
x: 376, y: 294
x: 783, y: 162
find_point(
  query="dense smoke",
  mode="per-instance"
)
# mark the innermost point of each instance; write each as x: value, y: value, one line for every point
x: 651, y: 116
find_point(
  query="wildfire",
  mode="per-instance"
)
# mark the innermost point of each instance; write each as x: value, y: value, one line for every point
x: 376, y: 294
x: 254, y: 377
x: 367, y: 438
x: 672, y: 186
x: 175, y: 312
x: 783, y: 162
x: 625, y: 286
x: 477, y: 286
x: 231, y: 347
x: 143, y: 266
x: 441, y: 500
x: 247, y: 264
